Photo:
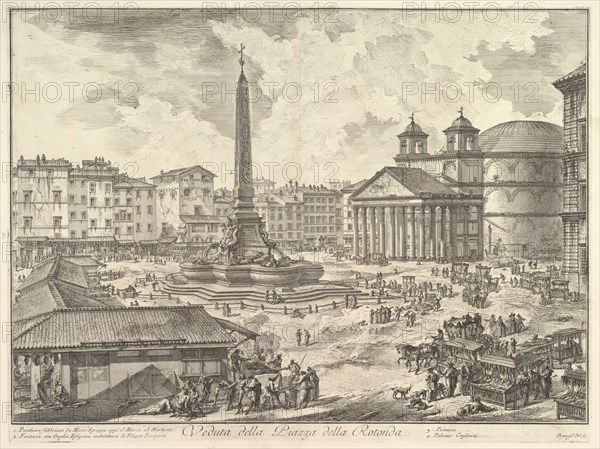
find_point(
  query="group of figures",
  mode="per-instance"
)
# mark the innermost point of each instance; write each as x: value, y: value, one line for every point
x: 467, y: 327
x: 513, y: 325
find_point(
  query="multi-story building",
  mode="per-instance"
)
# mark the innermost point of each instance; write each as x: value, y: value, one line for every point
x: 91, y: 200
x: 574, y: 165
x: 134, y: 210
x: 223, y: 202
x: 282, y: 211
x: 40, y: 212
x: 182, y: 192
x: 75, y: 210
x: 322, y: 215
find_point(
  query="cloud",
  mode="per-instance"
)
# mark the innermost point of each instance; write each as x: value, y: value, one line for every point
x: 342, y: 90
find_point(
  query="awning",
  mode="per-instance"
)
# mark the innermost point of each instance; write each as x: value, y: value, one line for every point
x: 101, y: 238
x: 237, y: 328
x: 31, y: 238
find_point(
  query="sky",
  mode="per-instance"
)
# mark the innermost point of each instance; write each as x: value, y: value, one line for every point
x: 153, y: 90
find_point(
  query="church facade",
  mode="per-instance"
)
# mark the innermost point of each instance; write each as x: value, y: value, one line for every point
x: 501, y: 189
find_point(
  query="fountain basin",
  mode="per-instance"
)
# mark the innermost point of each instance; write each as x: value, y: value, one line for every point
x: 197, y: 272
x: 276, y: 276
x: 310, y: 273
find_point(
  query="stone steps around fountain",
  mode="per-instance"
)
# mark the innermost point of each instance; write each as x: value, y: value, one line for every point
x: 215, y: 292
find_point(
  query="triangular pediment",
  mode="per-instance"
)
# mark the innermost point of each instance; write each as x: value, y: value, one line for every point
x: 382, y: 185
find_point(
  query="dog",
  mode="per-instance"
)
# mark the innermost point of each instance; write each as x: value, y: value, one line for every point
x: 400, y: 391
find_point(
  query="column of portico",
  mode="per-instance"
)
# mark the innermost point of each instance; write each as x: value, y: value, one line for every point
x: 373, y: 231
x: 355, y: 210
x: 465, y: 212
x: 381, y: 220
x: 433, y: 233
x: 452, y: 232
x: 412, y: 227
x: 442, y: 232
x: 364, y: 232
x: 401, y: 232
x: 422, y: 233
x: 393, y: 233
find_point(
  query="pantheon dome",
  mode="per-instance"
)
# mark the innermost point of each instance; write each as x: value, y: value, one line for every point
x: 522, y: 173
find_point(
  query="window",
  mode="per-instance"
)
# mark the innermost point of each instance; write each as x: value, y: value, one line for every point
x: 117, y: 202
x: 27, y: 198
x: 106, y: 202
x: 83, y: 199
x: 72, y: 183
x: 117, y: 230
x: 129, y: 230
x: 71, y: 199
x: 149, y: 227
x: 50, y: 173
x: 56, y: 197
x: 128, y: 201
x: 83, y: 234
x: 107, y: 187
x: 92, y: 187
x: 73, y: 234
x: 138, y: 209
x: 82, y: 184
x: 27, y: 223
x: 129, y: 217
x: 56, y: 222
x: 84, y: 215
x: 149, y: 210
x: 150, y: 194
x: 72, y: 216
x: 107, y: 224
x: 583, y: 137
x: 186, y: 192
x: 138, y: 194
x: 173, y: 194
x: 93, y: 223
x: 92, y: 202
x: 138, y: 227
x: 197, y: 210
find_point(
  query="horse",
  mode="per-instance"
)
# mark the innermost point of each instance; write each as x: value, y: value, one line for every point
x: 423, y: 353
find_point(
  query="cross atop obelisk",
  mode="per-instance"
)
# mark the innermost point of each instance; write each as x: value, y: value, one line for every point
x: 241, y: 52
x: 461, y: 111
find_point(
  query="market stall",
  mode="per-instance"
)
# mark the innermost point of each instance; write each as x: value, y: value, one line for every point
x: 499, y: 379
x: 462, y: 350
x: 573, y: 403
x: 538, y: 347
x: 567, y: 345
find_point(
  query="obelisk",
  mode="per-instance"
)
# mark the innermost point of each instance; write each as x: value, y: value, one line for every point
x: 243, y: 190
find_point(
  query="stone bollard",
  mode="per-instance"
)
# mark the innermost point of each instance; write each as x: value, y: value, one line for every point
x: 262, y: 307
x: 316, y: 308
x: 334, y: 305
x: 216, y: 305
x: 284, y: 310
x: 241, y: 305
x: 310, y: 309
